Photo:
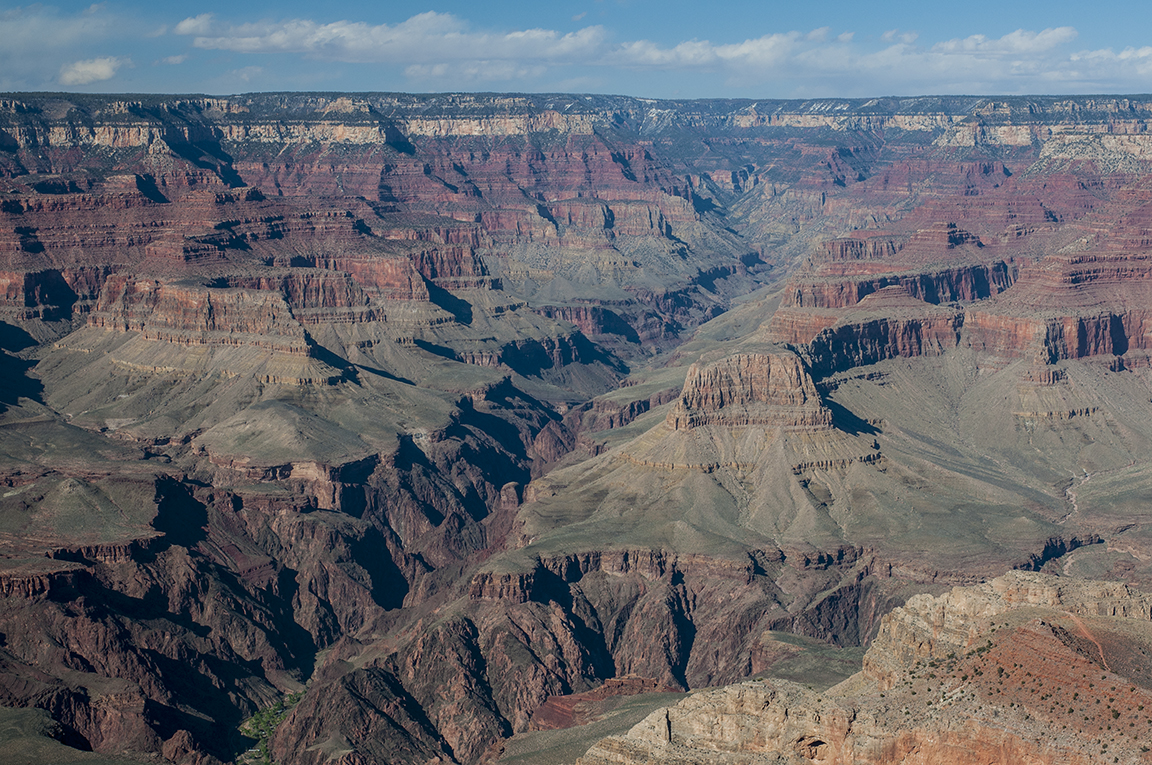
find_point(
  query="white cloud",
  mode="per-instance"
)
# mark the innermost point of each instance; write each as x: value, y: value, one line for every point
x: 1020, y: 41
x: 37, y: 28
x: 427, y: 38
x: 91, y: 70
x: 1144, y: 52
x: 448, y: 51
x: 195, y: 25
x: 767, y: 51
x: 815, y: 63
x: 1138, y: 60
x: 39, y: 42
x: 687, y: 54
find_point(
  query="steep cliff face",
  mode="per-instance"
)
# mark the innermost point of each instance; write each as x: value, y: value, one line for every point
x: 964, y: 284
x: 163, y: 312
x: 767, y: 390
x: 564, y: 627
x: 214, y: 184
x: 886, y: 324
x: 117, y: 617
x: 929, y: 628
x: 1063, y: 307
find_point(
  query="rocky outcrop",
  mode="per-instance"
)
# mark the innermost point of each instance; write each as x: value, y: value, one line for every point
x: 189, y: 315
x: 50, y: 294
x: 608, y: 413
x: 579, y: 709
x: 213, y: 184
x: 851, y: 249
x: 929, y: 628
x: 145, y: 631
x: 981, y: 675
x: 573, y: 628
x: 1064, y: 307
x: 750, y: 389
x: 593, y: 321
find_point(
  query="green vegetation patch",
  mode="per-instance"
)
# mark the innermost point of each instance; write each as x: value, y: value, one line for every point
x: 261, y: 725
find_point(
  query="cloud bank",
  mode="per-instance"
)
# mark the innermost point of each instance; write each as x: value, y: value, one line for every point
x: 92, y: 70
x: 439, y: 47
x: 45, y: 48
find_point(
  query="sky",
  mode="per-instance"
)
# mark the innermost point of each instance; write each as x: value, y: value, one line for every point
x: 646, y: 48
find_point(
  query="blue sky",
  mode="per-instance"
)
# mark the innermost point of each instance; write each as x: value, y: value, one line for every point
x: 667, y: 49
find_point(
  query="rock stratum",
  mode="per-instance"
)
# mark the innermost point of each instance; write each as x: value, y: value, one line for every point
x: 451, y: 418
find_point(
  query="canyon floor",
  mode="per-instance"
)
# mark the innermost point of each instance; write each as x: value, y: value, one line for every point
x: 382, y: 428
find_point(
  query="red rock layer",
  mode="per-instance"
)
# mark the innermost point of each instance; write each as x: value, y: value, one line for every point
x: 49, y: 294
x: 582, y: 193
x: 198, y: 315
x: 593, y: 321
x: 389, y: 277
x: 960, y: 284
x: 859, y: 343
